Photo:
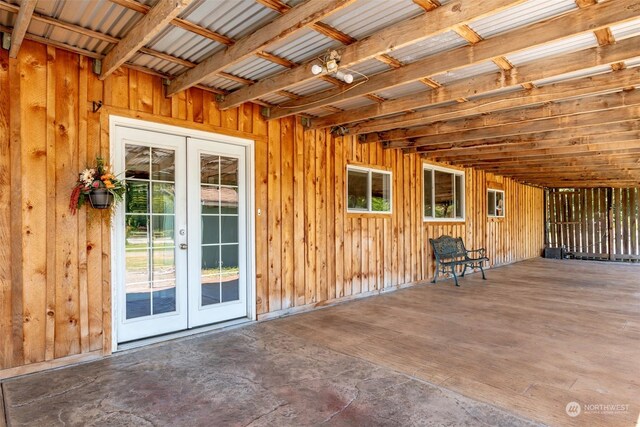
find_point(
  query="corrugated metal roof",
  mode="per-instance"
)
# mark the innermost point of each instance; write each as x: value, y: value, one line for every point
x: 368, y: 68
x: 463, y: 73
x: 309, y: 87
x: 99, y: 15
x: 274, y: 98
x: 184, y: 44
x: 222, y: 83
x: 303, y: 45
x: 600, y: 69
x: 365, y: 17
x: 233, y: 19
x: 320, y: 112
x: 352, y: 103
x: 635, y: 62
x: 254, y: 68
x: 403, y: 90
x: 626, y: 29
x: 157, y: 64
x: 568, y: 45
x: 428, y: 47
x: 521, y: 15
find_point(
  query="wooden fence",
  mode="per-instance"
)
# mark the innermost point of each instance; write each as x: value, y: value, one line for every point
x: 594, y: 223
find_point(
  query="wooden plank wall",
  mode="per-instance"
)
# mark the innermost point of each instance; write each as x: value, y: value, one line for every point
x: 55, y: 295
x: 595, y: 223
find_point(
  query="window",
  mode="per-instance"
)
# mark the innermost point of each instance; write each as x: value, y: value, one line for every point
x: 495, y: 203
x: 368, y: 190
x: 443, y: 194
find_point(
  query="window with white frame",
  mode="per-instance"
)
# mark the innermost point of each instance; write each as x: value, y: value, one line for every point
x: 443, y: 194
x: 368, y: 190
x: 495, y: 203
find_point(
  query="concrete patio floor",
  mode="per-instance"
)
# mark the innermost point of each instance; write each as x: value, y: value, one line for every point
x: 251, y: 376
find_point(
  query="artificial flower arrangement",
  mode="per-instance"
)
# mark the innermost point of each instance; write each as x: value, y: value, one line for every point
x: 99, y: 186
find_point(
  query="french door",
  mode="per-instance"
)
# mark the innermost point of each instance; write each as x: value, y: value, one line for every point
x: 181, y: 234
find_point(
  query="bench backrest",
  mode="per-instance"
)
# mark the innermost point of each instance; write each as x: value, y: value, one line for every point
x: 446, y: 247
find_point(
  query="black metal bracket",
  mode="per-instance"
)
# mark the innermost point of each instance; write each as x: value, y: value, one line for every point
x: 6, y: 41
x: 266, y: 112
x: 96, y: 106
x: 97, y: 67
x: 306, y: 122
x: 339, y: 130
x: 219, y: 98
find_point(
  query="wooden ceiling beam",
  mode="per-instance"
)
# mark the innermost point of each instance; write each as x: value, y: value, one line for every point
x: 554, y: 135
x: 149, y: 26
x: 293, y: 21
x: 567, y: 25
x: 21, y: 25
x: 622, y: 114
x: 559, y: 146
x: 386, y: 40
x: 473, y: 86
x: 585, y: 184
x: 521, y: 116
x: 558, y: 92
x: 607, y: 148
x: 177, y: 22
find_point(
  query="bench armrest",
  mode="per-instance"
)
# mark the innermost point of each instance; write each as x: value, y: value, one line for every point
x: 480, y: 251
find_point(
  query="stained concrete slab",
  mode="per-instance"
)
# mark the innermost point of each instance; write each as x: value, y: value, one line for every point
x: 3, y: 421
x: 253, y: 376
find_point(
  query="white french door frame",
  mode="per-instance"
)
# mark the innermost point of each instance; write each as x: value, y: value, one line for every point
x: 117, y: 231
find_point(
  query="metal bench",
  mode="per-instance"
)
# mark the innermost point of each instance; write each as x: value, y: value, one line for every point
x: 451, y: 253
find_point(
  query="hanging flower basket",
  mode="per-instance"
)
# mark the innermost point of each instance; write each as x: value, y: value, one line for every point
x: 99, y: 186
x: 100, y: 198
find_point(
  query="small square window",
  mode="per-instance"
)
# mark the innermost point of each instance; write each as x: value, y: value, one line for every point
x: 443, y: 194
x: 495, y: 203
x: 368, y: 190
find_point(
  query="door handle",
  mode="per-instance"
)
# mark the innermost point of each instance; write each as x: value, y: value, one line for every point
x: 183, y: 246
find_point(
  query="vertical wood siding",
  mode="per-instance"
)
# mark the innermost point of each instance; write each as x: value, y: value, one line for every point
x: 55, y: 290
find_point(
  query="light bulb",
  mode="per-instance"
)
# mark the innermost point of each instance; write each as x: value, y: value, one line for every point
x: 316, y: 69
x: 347, y: 78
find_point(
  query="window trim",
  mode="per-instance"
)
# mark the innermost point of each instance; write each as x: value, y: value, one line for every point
x: 458, y: 172
x: 368, y: 171
x: 504, y: 210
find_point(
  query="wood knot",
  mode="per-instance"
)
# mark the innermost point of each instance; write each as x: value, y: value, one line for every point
x: 456, y: 8
x: 68, y: 263
x: 50, y: 313
x: 27, y: 231
x: 62, y: 128
x: 29, y: 205
x: 73, y: 321
x: 90, y: 246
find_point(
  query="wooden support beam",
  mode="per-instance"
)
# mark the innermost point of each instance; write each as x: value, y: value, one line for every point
x: 603, y: 83
x: 622, y: 140
x: 606, y: 102
x: 567, y: 25
x: 296, y: 19
x: 20, y: 27
x: 151, y: 24
x: 557, y: 123
x: 554, y: 135
x: 438, y: 21
x: 558, y: 153
x: 541, y: 69
x: 178, y: 22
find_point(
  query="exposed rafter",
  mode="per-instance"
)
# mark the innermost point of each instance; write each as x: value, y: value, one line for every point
x: 622, y: 114
x: 20, y: 28
x: 296, y: 19
x: 411, y: 31
x: 569, y: 24
x: 477, y: 85
x: 151, y: 24
x: 588, y: 86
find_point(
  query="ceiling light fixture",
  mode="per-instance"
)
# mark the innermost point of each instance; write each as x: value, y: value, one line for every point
x: 329, y: 63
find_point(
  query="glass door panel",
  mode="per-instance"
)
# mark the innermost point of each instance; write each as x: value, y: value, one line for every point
x: 217, y: 221
x: 150, y: 215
